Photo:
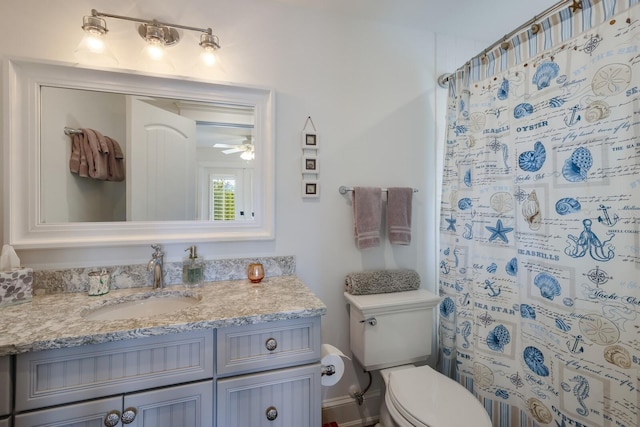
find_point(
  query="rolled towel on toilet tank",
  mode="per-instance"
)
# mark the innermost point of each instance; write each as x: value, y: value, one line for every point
x: 382, y: 281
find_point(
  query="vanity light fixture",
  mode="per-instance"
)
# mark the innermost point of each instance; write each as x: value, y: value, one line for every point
x: 158, y: 35
x: 92, y: 47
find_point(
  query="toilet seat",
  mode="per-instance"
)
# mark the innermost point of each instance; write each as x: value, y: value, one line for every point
x: 426, y: 398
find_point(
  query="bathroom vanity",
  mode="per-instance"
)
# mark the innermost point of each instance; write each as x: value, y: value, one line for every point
x: 244, y: 355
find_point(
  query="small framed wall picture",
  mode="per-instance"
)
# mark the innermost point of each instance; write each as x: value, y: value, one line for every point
x: 310, y: 188
x: 310, y: 140
x: 310, y: 164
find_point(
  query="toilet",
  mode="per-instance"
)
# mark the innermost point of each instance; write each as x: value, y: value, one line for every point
x: 393, y: 332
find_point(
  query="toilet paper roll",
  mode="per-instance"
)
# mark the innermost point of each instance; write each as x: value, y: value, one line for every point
x: 331, y: 356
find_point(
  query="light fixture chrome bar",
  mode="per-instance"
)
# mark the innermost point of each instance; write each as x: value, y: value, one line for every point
x: 150, y: 22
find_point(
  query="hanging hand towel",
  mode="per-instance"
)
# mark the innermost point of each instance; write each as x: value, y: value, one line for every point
x: 83, y: 166
x: 115, y: 170
x: 74, y: 160
x: 399, y: 201
x: 96, y: 152
x: 382, y: 281
x: 367, y: 214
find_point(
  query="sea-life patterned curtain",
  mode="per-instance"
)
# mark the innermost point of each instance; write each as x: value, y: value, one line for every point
x: 540, y: 223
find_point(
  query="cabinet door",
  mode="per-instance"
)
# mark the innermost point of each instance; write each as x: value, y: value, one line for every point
x: 188, y: 405
x: 5, y: 386
x: 282, y: 398
x: 88, y: 414
x: 5, y: 422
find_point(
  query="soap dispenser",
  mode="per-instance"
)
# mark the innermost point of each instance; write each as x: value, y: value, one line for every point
x: 192, y: 268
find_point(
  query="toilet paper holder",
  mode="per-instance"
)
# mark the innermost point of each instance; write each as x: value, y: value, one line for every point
x: 331, y: 365
x: 328, y: 370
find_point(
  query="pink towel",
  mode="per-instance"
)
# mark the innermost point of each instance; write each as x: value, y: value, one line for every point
x: 399, y: 202
x: 115, y: 160
x: 96, y: 152
x: 367, y: 215
x: 76, y: 149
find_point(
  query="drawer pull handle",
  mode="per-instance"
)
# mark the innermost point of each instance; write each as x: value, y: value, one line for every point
x: 129, y: 415
x: 112, y: 419
x: 272, y: 413
x: 271, y: 344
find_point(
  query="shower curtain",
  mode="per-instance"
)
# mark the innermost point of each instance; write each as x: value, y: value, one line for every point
x: 540, y: 223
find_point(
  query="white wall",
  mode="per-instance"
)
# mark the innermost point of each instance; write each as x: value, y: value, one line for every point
x: 69, y: 197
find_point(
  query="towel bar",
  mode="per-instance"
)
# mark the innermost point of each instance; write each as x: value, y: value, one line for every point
x: 71, y: 131
x: 345, y: 190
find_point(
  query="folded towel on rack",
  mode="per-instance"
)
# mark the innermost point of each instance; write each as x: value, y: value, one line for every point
x: 382, y: 281
x: 367, y: 216
x: 96, y: 156
x: 399, y: 201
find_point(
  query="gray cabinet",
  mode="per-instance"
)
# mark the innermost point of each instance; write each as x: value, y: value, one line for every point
x: 269, y: 375
x: 5, y: 386
x: 266, y: 374
x: 67, y: 375
x: 264, y: 346
x: 284, y: 397
x: 188, y: 405
x: 130, y: 372
x: 87, y: 414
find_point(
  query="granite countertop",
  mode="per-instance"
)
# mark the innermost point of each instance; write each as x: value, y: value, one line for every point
x: 56, y: 321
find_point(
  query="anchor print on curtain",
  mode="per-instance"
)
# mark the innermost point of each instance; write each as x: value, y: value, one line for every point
x: 540, y: 224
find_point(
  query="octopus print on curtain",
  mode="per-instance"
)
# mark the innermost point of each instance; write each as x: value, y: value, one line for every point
x: 540, y: 224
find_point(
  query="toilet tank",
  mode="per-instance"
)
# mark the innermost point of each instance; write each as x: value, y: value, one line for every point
x: 391, y: 329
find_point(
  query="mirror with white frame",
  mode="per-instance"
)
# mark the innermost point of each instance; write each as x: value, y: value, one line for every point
x: 197, y: 158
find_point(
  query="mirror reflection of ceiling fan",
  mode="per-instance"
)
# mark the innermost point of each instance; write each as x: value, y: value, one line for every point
x: 246, y: 149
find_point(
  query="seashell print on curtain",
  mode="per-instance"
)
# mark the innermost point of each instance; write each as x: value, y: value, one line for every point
x: 540, y: 224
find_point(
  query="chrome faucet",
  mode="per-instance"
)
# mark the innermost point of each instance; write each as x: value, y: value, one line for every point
x: 155, y: 266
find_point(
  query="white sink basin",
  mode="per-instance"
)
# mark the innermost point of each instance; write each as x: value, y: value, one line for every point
x: 143, y: 305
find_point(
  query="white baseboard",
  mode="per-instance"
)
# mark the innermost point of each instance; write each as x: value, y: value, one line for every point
x: 346, y: 412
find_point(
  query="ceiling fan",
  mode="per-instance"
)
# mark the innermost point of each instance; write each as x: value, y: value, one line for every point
x: 246, y: 149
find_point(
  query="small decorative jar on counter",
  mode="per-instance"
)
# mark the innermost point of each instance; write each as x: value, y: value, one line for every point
x: 99, y: 282
x: 255, y: 272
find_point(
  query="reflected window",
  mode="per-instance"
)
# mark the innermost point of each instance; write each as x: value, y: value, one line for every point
x: 223, y: 199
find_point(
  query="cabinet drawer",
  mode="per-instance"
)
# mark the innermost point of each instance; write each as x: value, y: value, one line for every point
x: 286, y: 398
x: 253, y: 348
x: 54, y: 377
x: 5, y: 386
x: 5, y: 423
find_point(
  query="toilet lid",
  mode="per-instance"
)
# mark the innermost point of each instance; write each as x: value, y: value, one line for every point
x: 427, y: 398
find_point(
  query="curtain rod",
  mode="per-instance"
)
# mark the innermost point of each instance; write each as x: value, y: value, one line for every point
x: 444, y: 78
